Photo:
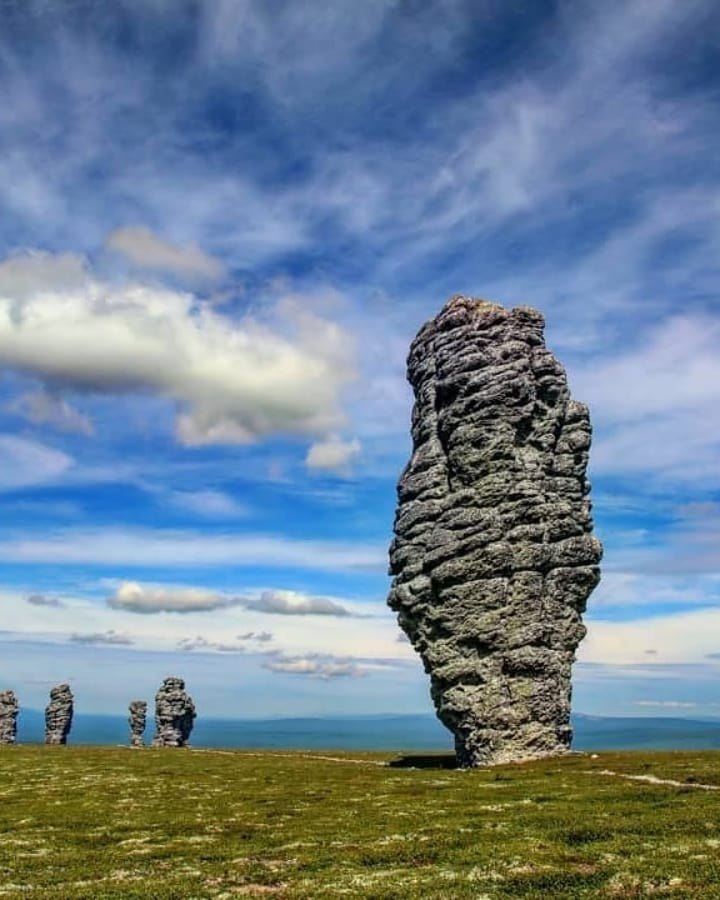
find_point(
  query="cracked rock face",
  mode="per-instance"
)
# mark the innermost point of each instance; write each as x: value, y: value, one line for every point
x: 58, y: 715
x: 174, y: 714
x: 493, y: 555
x: 9, y: 709
x: 137, y: 721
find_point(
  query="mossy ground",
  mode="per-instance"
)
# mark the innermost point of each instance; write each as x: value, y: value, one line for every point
x: 105, y: 822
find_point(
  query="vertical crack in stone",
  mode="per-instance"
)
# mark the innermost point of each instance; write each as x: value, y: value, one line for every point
x: 493, y: 554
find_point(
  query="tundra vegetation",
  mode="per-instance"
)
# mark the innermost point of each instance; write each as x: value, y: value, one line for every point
x: 81, y: 822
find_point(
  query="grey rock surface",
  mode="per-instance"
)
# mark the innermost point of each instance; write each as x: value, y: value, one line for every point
x: 174, y: 714
x: 9, y: 709
x: 59, y: 714
x: 137, y: 721
x: 494, y: 556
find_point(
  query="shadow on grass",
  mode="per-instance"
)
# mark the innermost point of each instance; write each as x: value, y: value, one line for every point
x: 425, y: 761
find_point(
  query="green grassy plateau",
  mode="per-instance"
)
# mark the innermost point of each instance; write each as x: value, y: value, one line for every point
x: 110, y: 822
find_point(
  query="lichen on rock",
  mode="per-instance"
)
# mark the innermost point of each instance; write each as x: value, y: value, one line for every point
x: 494, y: 556
x: 9, y: 709
x: 59, y: 715
x: 174, y: 714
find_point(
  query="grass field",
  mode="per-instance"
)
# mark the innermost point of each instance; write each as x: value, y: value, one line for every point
x: 105, y: 822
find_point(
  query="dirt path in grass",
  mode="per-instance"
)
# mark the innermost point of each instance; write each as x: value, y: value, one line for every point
x: 653, y: 779
x: 340, y: 759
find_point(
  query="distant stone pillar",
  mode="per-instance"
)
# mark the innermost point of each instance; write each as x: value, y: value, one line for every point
x: 174, y: 714
x: 59, y: 715
x: 137, y: 720
x: 8, y: 717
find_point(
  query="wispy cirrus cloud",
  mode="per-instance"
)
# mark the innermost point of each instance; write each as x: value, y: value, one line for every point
x: 42, y: 408
x: 654, y: 402
x: 111, y: 638
x: 182, y: 549
x: 25, y: 462
x: 210, y: 504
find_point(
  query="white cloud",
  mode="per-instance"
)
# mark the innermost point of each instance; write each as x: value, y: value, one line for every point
x: 333, y: 454
x: 104, y: 637
x: 623, y: 589
x: 203, y: 644
x: 154, y: 598
x: 209, y: 504
x: 292, y: 603
x: 24, y: 462
x: 23, y: 274
x: 669, y: 704
x: 43, y: 600
x: 179, y: 549
x: 148, y: 251
x: 279, y: 372
x: 42, y: 408
x: 185, y: 614
x: 686, y: 637
x: 316, y: 666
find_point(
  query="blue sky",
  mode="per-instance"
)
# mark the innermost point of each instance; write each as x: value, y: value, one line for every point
x: 224, y: 221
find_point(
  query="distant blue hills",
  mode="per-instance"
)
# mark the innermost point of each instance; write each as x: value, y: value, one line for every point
x: 387, y: 732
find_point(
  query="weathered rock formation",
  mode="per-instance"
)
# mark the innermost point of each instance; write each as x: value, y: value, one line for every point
x: 174, y: 714
x: 58, y: 715
x: 137, y: 721
x: 493, y: 555
x: 8, y: 717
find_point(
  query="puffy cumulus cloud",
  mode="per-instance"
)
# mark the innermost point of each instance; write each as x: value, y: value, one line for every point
x: 43, y: 600
x: 293, y: 603
x: 316, y: 666
x: 146, y: 250
x: 42, y: 408
x: 333, y: 455
x: 104, y: 637
x: 155, y: 598
x: 24, y: 462
x: 277, y: 371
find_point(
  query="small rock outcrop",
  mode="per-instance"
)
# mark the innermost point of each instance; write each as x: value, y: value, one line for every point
x: 137, y: 721
x: 493, y: 554
x: 174, y: 714
x: 9, y: 709
x: 59, y: 715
